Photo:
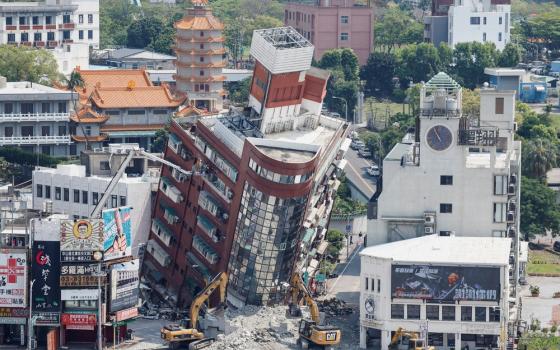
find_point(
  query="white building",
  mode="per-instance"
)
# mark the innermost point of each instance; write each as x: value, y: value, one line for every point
x: 459, y: 174
x: 67, y: 190
x: 471, y: 20
x: 65, y: 27
x: 452, y: 291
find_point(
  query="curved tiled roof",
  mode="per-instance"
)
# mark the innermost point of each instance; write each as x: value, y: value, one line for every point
x: 138, y: 97
x: 132, y: 127
x: 88, y: 116
x: 190, y: 22
x: 99, y: 138
x: 112, y: 78
x: 188, y: 111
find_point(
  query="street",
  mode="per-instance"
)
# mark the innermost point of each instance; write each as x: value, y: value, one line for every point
x: 146, y: 335
x: 355, y: 171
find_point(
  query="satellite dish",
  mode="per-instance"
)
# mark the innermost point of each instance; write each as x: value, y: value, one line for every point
x: 131, y: 85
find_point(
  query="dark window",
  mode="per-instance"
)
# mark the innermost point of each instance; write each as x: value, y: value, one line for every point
x: 61, y: 130
x: 432, y: 312
x: 94, y: 198
x: 466, y: 313
x: 90, y: 34
x: 480, y: 314
x: 499, y: 20
x: 201, y: 73
x: 397, y: 311
x: 343, y: 36
x: 80, y: 34
x: 27, y: 131
x: 500, y: 39
x: 22, y: 21
x: 8, y: 108
x: 367, y: 283
x: 66, y: 195
x: 36, y: 20
x: 494, y: 314
x: 448, y: 313
x: 47, y: 191
x: 65, y: 18
x: 46, y: 149
x: 39, y: 191
x: 446, y: 208
x: 62, y: 107
x: 104, y: 165
x: 114, y: 202
x: 136, y: 112
x: 344, y: 19
x: 50, y: 36
x: 84, y: 197
x: 27, y: 108
x: 378, y: 286
x: 37, y: 37
x: 90, y: 18
x: 48, y: 20
x: 45, y: 107
x: 24, y: 37
x: 484, y: 20
x: 413, y: 312
x: 483, y: 36
x: 446, y: 180
x: 9, y: 21
x: 9, y: 131
x: 66, y: 35
x: 475, y: 20
x: 45, y: 130
x: 11, y: 38
x: 81, y: 19
x: 499, y: 105
x: 76, y: 196
x: 122, y: 201
x: 373, y: 284
x: 57, y: 193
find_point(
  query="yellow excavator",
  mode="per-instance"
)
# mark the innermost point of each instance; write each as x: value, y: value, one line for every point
x: 178, y: 335
x: 405, y: 340
x: 311, y: 333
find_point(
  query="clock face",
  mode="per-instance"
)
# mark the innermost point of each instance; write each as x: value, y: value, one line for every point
x: 439, y: 138
x: 370, y: 306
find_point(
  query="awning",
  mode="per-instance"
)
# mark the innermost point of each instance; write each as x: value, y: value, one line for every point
x: 309, y: 234
x: 345, y: 144
x: 322, y: 247
x: 341, y: 164
x: 312, y: 268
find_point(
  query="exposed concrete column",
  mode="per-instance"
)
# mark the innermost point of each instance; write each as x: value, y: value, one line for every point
x: 363, y: 337
x: 458, y: 345
x: 385, y: 339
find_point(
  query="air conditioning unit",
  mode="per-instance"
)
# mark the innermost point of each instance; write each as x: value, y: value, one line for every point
x: 512, y: 206
x: 513, y: 179
x: 511, y: 233
x: 429, y: 219
x: 510, y: 216
x: 511, y: 189
x: 428, y: 230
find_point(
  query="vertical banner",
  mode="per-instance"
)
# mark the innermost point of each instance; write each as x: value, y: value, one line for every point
x: 13, y: 278
x: 45, y: 272
x: 117, y: 235
x: 124, y: 285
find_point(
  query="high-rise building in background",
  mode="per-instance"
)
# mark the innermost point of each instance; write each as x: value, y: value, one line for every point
x: 268, y: 181
x: 201, y: 57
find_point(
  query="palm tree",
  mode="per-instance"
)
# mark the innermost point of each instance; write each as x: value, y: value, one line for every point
x: 76, y: 81
x: 539, y: 156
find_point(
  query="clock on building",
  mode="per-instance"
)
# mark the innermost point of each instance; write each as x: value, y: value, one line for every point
x: 439, y: 138
x: 370, y: 306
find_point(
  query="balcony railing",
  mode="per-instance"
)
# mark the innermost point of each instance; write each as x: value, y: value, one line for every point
x: 208, y: 227
x: 478, y: 137
x: 218, y: 186
x: 209, y: 203
x: 158, y: 253
x: 170, y: 191
x: 159, y: 229
x: 205, y: 250
x: 35, y: 117
x: 35, y: 140
x: 67, y: 26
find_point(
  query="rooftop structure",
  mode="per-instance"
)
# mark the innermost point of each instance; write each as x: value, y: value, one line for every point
x: 126, y: 58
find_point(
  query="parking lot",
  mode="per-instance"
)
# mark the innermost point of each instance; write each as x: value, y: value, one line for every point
x: 544, y: 308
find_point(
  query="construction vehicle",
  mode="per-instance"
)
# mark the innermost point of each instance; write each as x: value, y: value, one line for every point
x: 311, y: 332
x: 405, y: 340
x: 190, y: 334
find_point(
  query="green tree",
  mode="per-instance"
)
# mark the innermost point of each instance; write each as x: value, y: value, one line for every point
x: 114, y: 18
x: 19, y: 63
x: 510, y: 56
x: 471, y: 102
x: 470, y: 61
x: 539, y: 211
x: 545, y: 26
x: 397, y: 28
x: 143, y: 32
x: 239, y: 91
x: 539, y: 341
x: 418, y: 62
x: 445, y: 54
x: 378, y: 73
x: 539, y: 156
x: 160, y: 140
x: 350, y: 65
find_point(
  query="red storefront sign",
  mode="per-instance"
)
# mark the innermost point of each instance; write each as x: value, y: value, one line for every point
x: 126, y: 314
x: 9, y: 312
x: 79, y: 321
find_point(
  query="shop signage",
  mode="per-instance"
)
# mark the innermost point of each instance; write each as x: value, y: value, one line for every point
x: 445, y: 283
x: 80, y: 294
x: 80, y: 281
x: 47, y: 318
x: 124, y: 285
x: 126, y: 314
x: 45, y: 272
x: 79, y: 269
x: 117, y: 235
x: 78, y: 319
x: 9, y: 312
x: 81, y: 235
x: 46, y: 229
x: 13, y: 278
x: 79, y: 256
x: 13, y: 320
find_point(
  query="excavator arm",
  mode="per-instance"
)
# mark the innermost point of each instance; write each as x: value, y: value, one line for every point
x: 297, y: 287
x: 220, y: 281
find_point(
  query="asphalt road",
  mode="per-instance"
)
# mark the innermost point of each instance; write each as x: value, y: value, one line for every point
x: 355, y: 170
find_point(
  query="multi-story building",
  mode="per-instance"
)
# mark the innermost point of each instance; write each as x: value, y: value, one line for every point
x: 452, y: 291
x: 470, y: 20
x: 459, y: 174
x: 330, y: 24
x: 201, y: 57
x: 65, y: 27
x: 267, y: 181
x: 36, y: 118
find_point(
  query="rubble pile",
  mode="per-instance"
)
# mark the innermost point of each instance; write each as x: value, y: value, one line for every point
x: 334, y: 307
x: 253, y: 327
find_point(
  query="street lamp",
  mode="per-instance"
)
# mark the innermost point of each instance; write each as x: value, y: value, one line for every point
x: 345, y: 104
x: 99, y: 274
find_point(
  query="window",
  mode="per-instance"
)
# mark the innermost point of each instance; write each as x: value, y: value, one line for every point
x: 45, y: 130
x: 62, y: 107
x: 201, y: 33
x: 448, y: 313
x: 122, y: 201
x: 45, y: 107
x: 76, y: 196
x: 39, y: 191
x: 484, y: 20
x: 50, y: 36
x: 201, y: 59
x: 84, y: 197
x: 500, y: 212
x: 24, y: 37
x: 413, y: 312
x: 90, y: 34
x: 90, y: 18
x: 8, y: 108
x: 9, y: 21
x: 500, y: 185
x: 66, y: 195
x: 378, y: 285
x: 57, y: 193
x: 494, y: 314
x: 81, y: 19
x: 22, y: 21
x: 500, y: 20
x: 446, y: 208
x: 35, y: 20
x: 466, y: 313
x: 373, y: 284
x: 483, y: 36
x: 343, y: 36
x: 480, y: 314
x: 66, y: 35
x: 9, y: 131
x: 27, y: 131
x: 114, y: 202
x: 94, y: 198
x: 48, y: 20
x: 88, y: 130
x: 104, y: 165
x: 500, y: 39
x: 432, y: 312
x: 344, y: 19
x: 367, y: 283
x: 61, y: 130
x: 136, y: 112
x: 27, y: 108
x: 201, y: 73
x: 11, y: 38
x: 80, y: 34
x: 65, y: 18
x: 201, y: 46
x: 446, y: 180
x: 475, y: 20
x: 397, y: 311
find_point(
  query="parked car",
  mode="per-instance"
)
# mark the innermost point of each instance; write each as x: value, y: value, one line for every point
x: 373, y: 170
x: 364, y: 152
x: 335, y: 115
x: 357, y: 144
x: 556, y: 246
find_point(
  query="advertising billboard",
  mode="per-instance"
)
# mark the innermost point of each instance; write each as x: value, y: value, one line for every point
x: 45, y: 272
x: 445, y: 283
x: 81, y: 235
x: 117, y: 235
x: 79, y: 321
x: 124, y: 285
x: 13, y: 278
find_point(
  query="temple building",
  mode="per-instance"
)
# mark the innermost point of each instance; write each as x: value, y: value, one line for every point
x: 201, y: 57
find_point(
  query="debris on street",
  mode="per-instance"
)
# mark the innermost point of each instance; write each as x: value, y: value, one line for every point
x: 334, y: 307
